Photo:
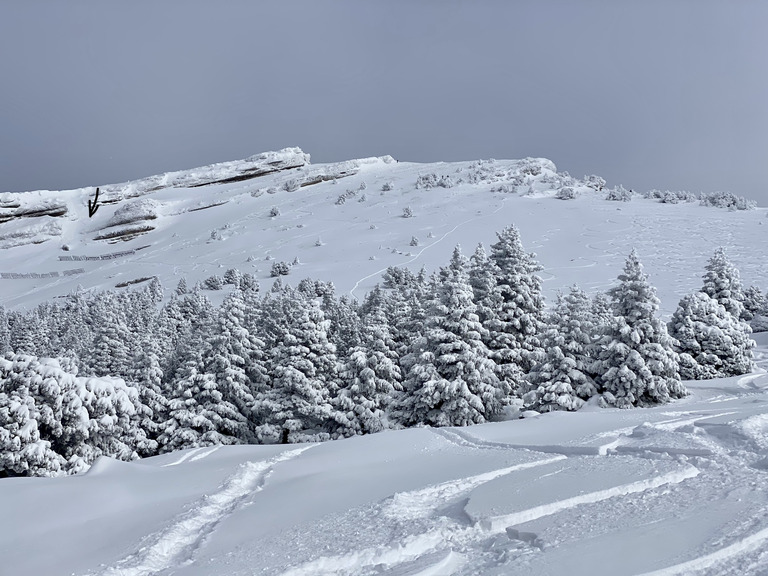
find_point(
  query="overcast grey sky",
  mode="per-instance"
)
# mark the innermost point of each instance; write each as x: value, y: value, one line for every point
x: 664, y: 94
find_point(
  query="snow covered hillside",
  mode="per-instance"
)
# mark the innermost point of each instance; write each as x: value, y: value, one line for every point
x: 344, y: 223
x: 146, y: 365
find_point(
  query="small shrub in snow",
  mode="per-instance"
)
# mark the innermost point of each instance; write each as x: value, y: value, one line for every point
x: 530, y: 167
x: 280, y: 269
x: 291, y: 185
x: 726, y: 200
x: 504, y: 189
x: 414, y: 241
x: 428, y: 181
x: 216, y: 235
x: 619, y: 194
x: 274, y: 211
x: 362, y: 198
x: 346, y: 196
x: 387, y: 186
x: 407, y: 212
x: 362, y: 186
x: 566, y: 193
x: 595, y: 182
x: 677, y: 197
x: 181, y: 287
x: 319, y: 242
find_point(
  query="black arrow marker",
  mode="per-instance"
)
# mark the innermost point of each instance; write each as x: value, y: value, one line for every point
x: 92, y: 207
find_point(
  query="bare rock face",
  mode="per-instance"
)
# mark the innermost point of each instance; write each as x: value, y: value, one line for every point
x: 10, y: 210
x: 35, y: 217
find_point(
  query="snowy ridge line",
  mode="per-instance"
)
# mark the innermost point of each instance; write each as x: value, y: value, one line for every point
x: 177, y: 542
x: 419, y: 503
x: 498, y: 524
x: 743, y: 546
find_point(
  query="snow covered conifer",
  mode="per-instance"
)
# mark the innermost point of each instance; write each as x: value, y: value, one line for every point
x: 635, y: 361
x: 236, y: 358
x: 76, y: 418
x: 482, y: 278
x: 199, y: 414
x: 5, y: 333
x: 718, y: 344
x: 370, y: 373
x: 562, y: 380
x: 110, y: 353
x: 22, y: 451
x: 755, y: 305
x: 722, y: 282
x: 514, y: 331
x: 451, y: 380
x: 302, y: 363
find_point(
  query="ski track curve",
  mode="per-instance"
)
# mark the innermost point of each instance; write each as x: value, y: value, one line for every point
x: 447, y: 535
x: 501, y: 523
x: 710, y: 561
x: 205, y: 454
x: 177, y: 543
x: 183, y: 458
x: 466, y: 440
x: 420, y: 503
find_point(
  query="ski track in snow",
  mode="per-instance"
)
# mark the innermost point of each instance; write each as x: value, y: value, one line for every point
x: 420, y: 503
x: 184, y: 457
x: 177, y: 543
x: 446, y: 534
x: 205, y: 454
x: 710, y: 561
x: 501, y: 523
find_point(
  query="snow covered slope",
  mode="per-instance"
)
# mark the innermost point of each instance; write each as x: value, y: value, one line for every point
x: 676, y: 489
x: 344, y: 223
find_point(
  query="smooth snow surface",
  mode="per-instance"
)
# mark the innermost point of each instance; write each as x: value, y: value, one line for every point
x: 676, y: 489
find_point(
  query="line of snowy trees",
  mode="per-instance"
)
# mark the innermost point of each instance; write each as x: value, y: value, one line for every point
x: 124, y: 375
